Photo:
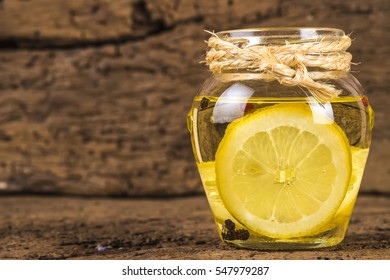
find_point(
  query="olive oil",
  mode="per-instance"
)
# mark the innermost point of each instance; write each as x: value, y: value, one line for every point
x: 207, y: 123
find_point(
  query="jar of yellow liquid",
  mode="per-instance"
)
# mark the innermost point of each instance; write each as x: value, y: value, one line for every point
x: 281, y: 134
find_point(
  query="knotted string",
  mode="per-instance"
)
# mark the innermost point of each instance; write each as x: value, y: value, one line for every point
x: 287, y: 63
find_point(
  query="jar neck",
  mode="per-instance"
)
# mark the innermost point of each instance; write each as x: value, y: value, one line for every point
x: 288, y: 55
x: 280, y: 36
x: 301, y: 40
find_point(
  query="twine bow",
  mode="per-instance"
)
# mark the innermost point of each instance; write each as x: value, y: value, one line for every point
x: 285, y: 63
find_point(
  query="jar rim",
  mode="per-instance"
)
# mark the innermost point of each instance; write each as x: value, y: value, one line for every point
x: 268, y: 35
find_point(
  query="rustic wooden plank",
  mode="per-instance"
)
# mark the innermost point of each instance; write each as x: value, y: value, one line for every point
x: 56, y: 23
x: 95, y: 135
x: 100, y: 109
x: 50, y: 227
x: 64, y: 21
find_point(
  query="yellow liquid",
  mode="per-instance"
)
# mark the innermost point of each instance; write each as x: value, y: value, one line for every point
x: 205, y: 147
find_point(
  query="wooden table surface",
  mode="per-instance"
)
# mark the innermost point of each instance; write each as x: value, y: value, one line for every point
x: 54, y: 227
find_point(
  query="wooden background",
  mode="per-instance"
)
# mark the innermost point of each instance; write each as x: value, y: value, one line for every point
x: 93, y: 101
x: 94, y: 94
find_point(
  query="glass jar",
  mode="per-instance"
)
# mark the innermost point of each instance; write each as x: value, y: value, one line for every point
x: 281, y: 162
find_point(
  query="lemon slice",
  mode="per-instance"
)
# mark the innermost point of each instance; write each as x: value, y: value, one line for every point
x: 280, y: 174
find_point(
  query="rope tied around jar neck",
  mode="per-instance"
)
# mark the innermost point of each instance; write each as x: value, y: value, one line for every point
x: 287, y: 63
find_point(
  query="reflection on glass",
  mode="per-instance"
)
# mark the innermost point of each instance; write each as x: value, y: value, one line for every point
x: 227, y: 108
x: 322, y: 113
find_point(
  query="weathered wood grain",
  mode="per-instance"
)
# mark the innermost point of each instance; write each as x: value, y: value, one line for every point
x: 94, y: 94
x: 33, y: 227
x: 59, y: 23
